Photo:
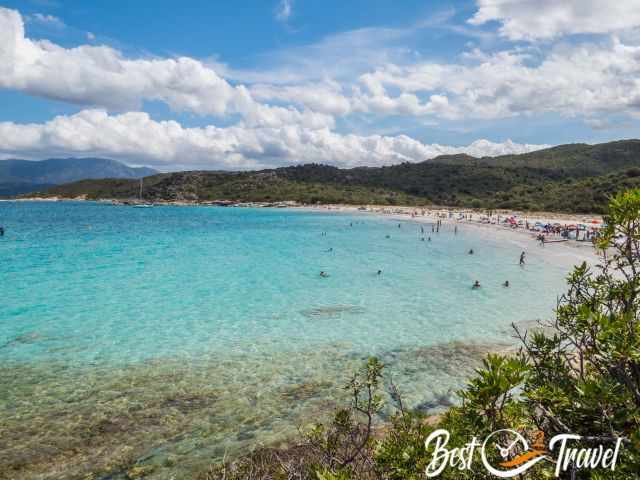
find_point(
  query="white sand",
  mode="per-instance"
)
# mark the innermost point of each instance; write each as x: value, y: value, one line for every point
x: 576, y: 251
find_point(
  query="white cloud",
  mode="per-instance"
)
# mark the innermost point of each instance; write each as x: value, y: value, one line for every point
x: 46, y: 19
x: 571, y: 80
x: 102, y: 76
x: 285, y: 113
x: 544, y: 19
x: 136, y: 138
x: 326, y: 97
x: 284, y: 10
x: 576, y: 80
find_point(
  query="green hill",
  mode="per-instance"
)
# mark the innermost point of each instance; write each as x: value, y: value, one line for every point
x: 575, y: 177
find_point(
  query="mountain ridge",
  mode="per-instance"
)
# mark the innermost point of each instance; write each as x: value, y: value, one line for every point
x: 22, y: 176
x: 573, y: 177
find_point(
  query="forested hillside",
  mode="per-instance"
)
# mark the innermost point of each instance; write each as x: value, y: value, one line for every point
x: 574, y: 177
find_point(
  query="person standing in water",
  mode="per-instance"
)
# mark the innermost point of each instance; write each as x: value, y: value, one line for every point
x: 476, y: 285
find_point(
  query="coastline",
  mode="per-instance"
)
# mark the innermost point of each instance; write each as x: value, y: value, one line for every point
x: 419, y: 215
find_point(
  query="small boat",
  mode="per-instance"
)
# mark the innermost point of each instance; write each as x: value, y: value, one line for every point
x: 142, y: 205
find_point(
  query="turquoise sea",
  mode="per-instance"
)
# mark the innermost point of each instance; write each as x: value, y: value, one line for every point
x: 162, y: 338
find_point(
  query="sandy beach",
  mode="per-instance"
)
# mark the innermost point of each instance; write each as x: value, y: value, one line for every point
x: 478, y: 219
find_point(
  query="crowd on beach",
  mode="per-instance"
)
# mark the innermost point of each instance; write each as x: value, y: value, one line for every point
x: 435, y: 228
x: 545, y: 228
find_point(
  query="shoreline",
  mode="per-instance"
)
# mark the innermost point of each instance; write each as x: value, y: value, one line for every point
x: 419, y: 215
x: 583, y: 250
x: 397, y: 210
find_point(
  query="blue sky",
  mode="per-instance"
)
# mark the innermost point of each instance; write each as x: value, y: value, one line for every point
x: 252, y: 84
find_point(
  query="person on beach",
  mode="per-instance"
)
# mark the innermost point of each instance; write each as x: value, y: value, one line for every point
x: 455, y: 230
x: 522, y: 259
x: 476, y: 285
x: 506, y: 283
x: 324, y: 274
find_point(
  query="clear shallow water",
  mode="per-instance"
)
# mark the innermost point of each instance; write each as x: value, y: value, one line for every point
x: 228, y: 304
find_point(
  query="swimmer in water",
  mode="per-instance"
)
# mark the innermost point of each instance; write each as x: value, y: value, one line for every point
x: 330, y: 250
x: 506, y: 283
x: 471, y: 252
x: 324, y: 274
x: 379, y: 272
x: 429, y: 238
x: 476, y: 285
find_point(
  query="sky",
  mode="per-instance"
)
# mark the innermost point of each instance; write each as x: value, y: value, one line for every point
x: 260, y: 84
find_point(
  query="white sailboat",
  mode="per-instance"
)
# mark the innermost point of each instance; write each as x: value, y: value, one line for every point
x: 142, y: 205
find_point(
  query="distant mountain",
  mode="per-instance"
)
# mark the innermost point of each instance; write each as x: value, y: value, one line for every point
x: 23, y: 176
x: 570, y: 178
